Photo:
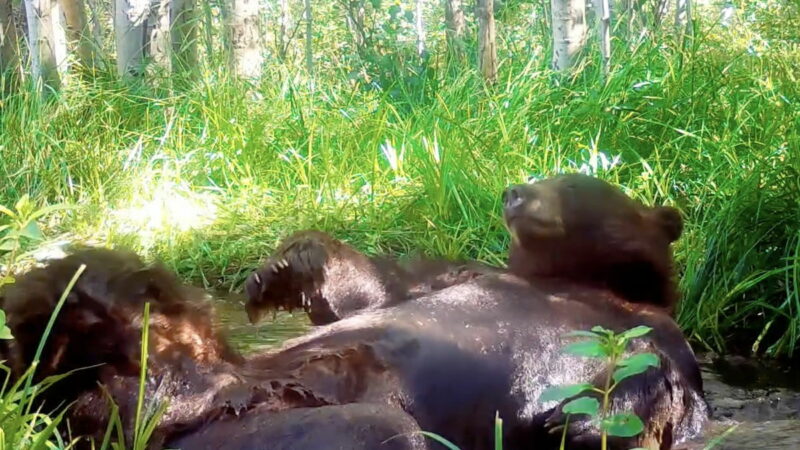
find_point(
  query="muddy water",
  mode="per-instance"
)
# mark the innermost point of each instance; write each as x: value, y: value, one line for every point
x: 268, y: 334
x: 755, y: 405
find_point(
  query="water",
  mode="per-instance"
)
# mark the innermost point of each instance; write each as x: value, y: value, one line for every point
x: 760, y: 399
x: 248, y: 338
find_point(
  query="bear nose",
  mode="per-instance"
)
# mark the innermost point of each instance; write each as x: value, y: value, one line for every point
x: 512, y: 198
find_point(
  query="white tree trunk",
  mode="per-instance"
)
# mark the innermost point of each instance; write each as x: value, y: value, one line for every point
x: 44, y: 66
x: 60, y: 39
x: 683, y: 16
x: 455, y: 24
x: 603, y: 13
x: 130, y: 20
x: 9, y: 56
x: 487, y: 44
x: 184, y: 34
x: 246, y: 51
x: 419, y: 27
x: 284, y: 23
x: 569, y: 32
x: 79, y: 33
x: 309, y: 39
x: 159, y: 41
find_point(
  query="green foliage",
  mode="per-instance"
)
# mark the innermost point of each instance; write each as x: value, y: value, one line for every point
x: 605, y: 344
x: 19, y: 231
x: 498, y: 435
x: 146, y: 420
x: 5, y: 332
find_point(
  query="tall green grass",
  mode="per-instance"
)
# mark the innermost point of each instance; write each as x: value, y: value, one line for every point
x: 210, y: 178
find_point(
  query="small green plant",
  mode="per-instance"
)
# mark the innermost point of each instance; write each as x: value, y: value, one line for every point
x: 145, y: 424
x: 498, y: 436
x: 605, y: 344
x: 22, y: 228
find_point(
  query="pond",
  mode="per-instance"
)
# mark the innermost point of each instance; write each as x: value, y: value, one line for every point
x: 760, y: 399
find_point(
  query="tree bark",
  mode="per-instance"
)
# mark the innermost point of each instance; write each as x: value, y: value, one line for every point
x: 79, y: 33
x: 60, y: 39
x: 683, y: 17
x: 9, y: 54
x: 130, y: 28
x: 184, y: 34
x: 455, y: 24
x: 246, y: 42
x: 355, y: 23
x: 309, y: 38
x: 569, y: 32
x: 158, y: 47
x: 284, y: 23
x: 41, y: 38
x: 487, y: 45
x: 603, y: 13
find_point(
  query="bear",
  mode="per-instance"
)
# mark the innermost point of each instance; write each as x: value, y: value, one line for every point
x: 295, y: 277
x: 96, y: 340
x: 446, y: 361
x: 582, y: 254
x: 572, y: 227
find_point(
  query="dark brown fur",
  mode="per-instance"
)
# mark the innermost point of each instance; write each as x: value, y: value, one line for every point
x: 190, y: 365
x: 585, y: 231
x: 297, y: 276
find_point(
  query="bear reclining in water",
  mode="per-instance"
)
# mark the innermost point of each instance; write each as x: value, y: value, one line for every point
x: 572, y: 228
x: 443, y: 357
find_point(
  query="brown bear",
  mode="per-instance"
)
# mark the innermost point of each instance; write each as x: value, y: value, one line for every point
x: 96, y: 338
x: 573, y: 227
x: 583, y: 254
x: 450, y: 359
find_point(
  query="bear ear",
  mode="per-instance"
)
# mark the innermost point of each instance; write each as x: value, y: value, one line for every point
x: 669, y: 220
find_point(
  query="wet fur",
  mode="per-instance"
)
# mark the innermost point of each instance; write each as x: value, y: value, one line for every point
x: 330, y: 280
x: 190, y: 364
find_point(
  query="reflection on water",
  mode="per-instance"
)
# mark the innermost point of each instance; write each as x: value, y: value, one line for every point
x: 269, y: 333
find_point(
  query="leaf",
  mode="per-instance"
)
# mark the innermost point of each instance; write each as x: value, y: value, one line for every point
x: 600, y: 330
x: 7, y: 212
x: 582, y: 405
x: 5, y: 333
x: 438, y: 439
x: 32, y: 231
x: 641, y: 359
x: 623, y: 425
x: 634, y: 365
x: 580, y: 333
x: 22, y: 204
x: 558, y: 393
x: 47, y: 210
x: 9, y: 245
x: 635, y: 332
x: 498, y: 431
x: 591, y: 349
